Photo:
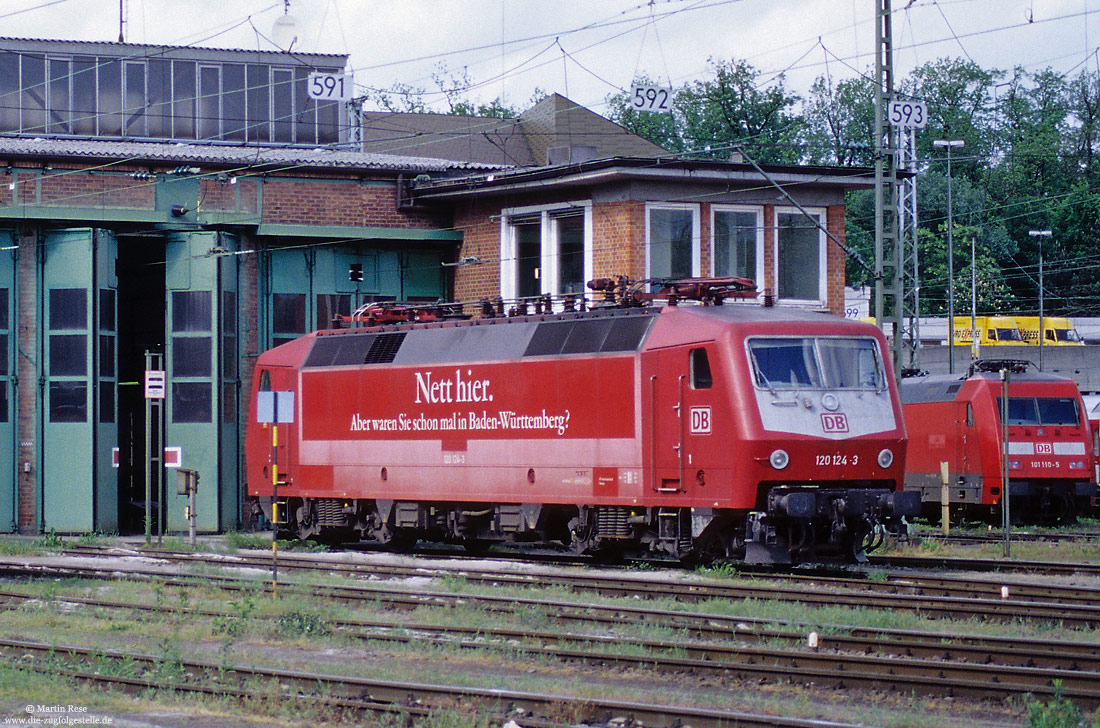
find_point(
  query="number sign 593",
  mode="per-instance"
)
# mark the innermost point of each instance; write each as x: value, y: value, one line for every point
x: 651, y: 98
x: 908, y: 113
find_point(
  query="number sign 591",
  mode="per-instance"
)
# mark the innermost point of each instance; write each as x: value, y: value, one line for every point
x: 908, y: 113
x: 651, y: 98
x: 329, y: 86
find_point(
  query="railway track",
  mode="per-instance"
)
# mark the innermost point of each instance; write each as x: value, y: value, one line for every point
x: 359, y: 697
x: 926, y: 594
x: 910, y: 662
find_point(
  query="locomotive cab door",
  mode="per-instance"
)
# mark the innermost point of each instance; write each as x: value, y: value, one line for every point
x: 682, y: 414
x: 272, y: 450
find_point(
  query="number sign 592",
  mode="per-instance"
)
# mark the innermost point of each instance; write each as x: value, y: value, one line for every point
x: 908, y: 113
x: 329, y: 86
x: 651, y: 98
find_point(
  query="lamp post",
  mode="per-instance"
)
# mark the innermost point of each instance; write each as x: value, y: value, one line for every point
x: 950, y: 144
x: 1042, y: 328
x: 975, y: 346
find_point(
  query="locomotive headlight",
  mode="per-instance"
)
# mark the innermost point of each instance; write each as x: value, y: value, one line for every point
x: 885, y: 458
x: 779, y: 459
x: 1077, y: 465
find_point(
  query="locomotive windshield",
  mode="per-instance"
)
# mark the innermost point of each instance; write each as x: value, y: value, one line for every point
x: 1041, y: 411
x: 816, y: 363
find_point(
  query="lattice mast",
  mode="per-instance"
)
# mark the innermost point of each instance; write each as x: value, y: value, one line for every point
x: 889, y: 278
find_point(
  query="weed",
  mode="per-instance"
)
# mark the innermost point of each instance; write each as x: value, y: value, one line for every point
x: 235, y: 623
x: 720, y: 571
x: 300, y: 624
x: 246, y: 541
x: 51, y: 540
x: 1058, y: 713
x: 169, y: 663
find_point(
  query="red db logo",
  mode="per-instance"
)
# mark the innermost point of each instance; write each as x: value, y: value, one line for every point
x: 834, y: 422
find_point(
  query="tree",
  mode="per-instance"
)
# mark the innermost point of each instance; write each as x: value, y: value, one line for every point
x: 840, y: 122
x: 731, y: 111
x: 960, y: 106
x: 454, y: 88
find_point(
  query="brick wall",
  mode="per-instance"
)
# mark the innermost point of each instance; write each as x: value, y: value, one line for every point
x: 834, y: 223
x: 27, y: 501
x: 618, y: 239
x: 480, y: 225
x: 313, y: 202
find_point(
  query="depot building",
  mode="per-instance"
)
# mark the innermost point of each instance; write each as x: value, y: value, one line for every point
x: 202, y: 206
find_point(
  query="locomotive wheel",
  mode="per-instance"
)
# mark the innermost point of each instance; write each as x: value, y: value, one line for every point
x: 476, y: 545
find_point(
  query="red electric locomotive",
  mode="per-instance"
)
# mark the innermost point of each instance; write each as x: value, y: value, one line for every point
x: 957, y: 419
x: 739, y: 431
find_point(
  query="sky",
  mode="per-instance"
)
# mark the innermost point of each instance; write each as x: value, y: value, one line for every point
x: 513, y: 49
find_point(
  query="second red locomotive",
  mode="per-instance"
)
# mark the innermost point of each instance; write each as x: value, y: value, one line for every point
x: 739, y: 431
x: 957, y: 419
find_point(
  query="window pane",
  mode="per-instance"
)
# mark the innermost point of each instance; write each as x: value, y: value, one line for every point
x: 670, y: 243
x: 328, y: 305
x: 3, y: 401
x: 783, y: 363
x: 259, y: 129
x: 191, y: 402
x: 106, y: 309
x: 183, y: 99
x: 229, y: 402
x: 106, y: 356
x: 191, y: 356
x: 68, y: 308
x: 159, y: 85
x: 9, y: 91
x: 1021, y: 410
x: 4, y: 312
x: 229, y: 357
x: 233, y: 98
x: 283, y: 96
x: 84, y: 95
x: 191, y: 311
x: 59, y: 96
x: 799, y: 243
x: 68, y: 402
x: 735, y: 244
x: 850, y: 363
x: 571, y: 254
x: 328, y: 122
x: 33, y: 80
x: 1058, y: 411
x: 110, y: 97
x: 210, y: 90
x: 4, y: 355
x: 107, y: 402
x: 305, y: 122
x: 229, y: 312
x: 134, y: 107
x: 68, y: 355
x: 288, y: 313
x: 529, y: 257
x: 701, y: 377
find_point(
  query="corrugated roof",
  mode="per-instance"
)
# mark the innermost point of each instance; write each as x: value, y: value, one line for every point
x: 228, y: 155
x: 10, y: 43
